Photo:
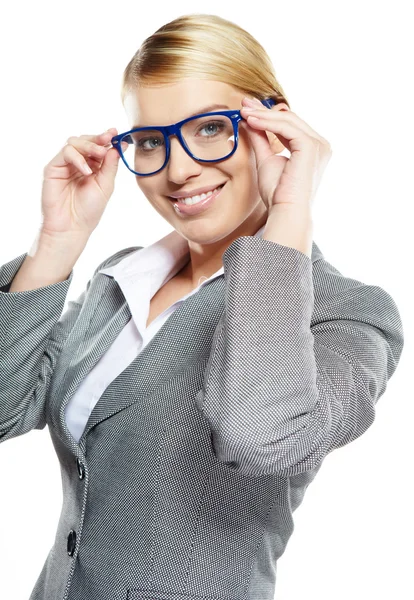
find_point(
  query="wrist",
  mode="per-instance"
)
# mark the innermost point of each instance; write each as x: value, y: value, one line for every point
x: 61, y: 244
x: 292, y: 211
x: 290, y: 226
x: 56, y: 254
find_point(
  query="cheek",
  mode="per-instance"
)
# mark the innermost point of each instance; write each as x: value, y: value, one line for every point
x: 148, y: 188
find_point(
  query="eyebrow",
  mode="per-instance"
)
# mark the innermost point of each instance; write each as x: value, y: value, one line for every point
x: 209, y: 108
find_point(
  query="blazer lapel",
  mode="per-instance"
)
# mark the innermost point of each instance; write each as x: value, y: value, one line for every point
x: 183, y: 341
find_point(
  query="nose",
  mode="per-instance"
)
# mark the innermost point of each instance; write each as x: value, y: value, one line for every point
x: 181, y: 165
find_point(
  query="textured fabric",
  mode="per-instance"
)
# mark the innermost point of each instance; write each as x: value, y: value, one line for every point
x: 140, y: 275
x: 184, y: 481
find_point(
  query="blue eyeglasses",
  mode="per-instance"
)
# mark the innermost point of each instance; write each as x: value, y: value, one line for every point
x: 221, y: 141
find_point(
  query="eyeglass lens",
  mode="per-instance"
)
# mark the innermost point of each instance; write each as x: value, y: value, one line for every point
x: 208, y: 138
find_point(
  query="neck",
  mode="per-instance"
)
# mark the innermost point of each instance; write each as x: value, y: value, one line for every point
x: 201, y: 268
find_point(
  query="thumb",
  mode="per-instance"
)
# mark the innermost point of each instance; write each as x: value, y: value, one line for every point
x: 260, y: 144
x: 109, y: 168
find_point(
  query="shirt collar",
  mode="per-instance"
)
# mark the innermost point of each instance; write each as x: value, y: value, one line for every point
x: 159, y: 261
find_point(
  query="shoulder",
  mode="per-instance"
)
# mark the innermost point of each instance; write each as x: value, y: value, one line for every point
x: 316, y: 253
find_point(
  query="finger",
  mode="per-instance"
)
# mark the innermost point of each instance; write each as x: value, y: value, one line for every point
x: 102, y: 143
x: 87, y: 147
x: 293, y: 134
x: 106, y: 174
x: 260, y: 143
x: 288, y: 116
x: 109, y: 133
x: 101, y: 166
x: 306, y: 127
x: 102, y: 139
x: 304, y: 149
x: 280, y: 137
x: 82, y: 152
x: 105, y: 138
x: 71, y: 156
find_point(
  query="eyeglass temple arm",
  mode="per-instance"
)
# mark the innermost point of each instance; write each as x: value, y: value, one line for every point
x: 269, y: 102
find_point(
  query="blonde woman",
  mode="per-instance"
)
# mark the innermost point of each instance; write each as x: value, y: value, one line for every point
x: 195, y: 387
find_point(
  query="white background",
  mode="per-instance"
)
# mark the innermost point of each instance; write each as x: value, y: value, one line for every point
x: 346, y: 68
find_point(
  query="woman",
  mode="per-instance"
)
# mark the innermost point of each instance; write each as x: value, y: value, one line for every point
x: 194, y: 388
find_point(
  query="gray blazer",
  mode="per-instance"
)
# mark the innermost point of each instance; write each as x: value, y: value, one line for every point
x: 183, y: 484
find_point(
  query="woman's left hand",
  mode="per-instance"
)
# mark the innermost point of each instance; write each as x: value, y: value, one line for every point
x: 285, y: 181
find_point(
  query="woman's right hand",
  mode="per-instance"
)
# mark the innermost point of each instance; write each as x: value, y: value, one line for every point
x: 73, y: 201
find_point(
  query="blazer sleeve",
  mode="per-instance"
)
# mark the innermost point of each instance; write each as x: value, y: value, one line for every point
x: 32, y: 334
x: 299, y: 359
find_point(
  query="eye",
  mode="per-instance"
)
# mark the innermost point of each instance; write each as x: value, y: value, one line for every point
x: 158, y: 142
x: 213, y: 126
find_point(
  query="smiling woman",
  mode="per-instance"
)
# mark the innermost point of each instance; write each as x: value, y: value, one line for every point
x: 195, y: 387
x: 164, y: 85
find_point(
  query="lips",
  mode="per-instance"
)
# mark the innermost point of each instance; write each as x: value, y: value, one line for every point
x: 196, y: 192
x: 214, y: 190
x: 191, y: 210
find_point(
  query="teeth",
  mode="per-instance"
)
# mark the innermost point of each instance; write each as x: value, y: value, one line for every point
x: 195, y: 199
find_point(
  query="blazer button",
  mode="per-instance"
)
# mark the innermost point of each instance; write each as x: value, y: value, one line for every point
x: 71, y: 542
x: 81, y: 469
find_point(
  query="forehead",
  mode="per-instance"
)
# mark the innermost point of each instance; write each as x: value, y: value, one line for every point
x: 170, y: 103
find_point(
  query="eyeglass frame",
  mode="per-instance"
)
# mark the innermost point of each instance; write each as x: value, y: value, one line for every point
x: 175, y: 129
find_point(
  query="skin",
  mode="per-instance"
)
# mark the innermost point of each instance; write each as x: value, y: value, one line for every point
x: 239, y: 211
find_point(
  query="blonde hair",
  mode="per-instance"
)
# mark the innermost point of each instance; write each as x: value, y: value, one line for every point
x: 206, y: 47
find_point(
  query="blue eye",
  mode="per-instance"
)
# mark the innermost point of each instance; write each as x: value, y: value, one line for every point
x: 158, y: 142
x: 220, y: 125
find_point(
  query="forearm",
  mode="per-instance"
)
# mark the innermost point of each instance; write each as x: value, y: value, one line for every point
x: 259, y: 391
x: 290, y: 227
x: 48, y: 261
x: 33, y: 331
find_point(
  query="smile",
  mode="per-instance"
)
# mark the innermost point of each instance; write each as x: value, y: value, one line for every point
x: 196, y: 204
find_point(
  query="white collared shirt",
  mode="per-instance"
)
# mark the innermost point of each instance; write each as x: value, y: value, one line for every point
x: 140, y: 275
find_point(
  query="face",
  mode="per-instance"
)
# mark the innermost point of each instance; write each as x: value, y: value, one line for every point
x: 238, y: 210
